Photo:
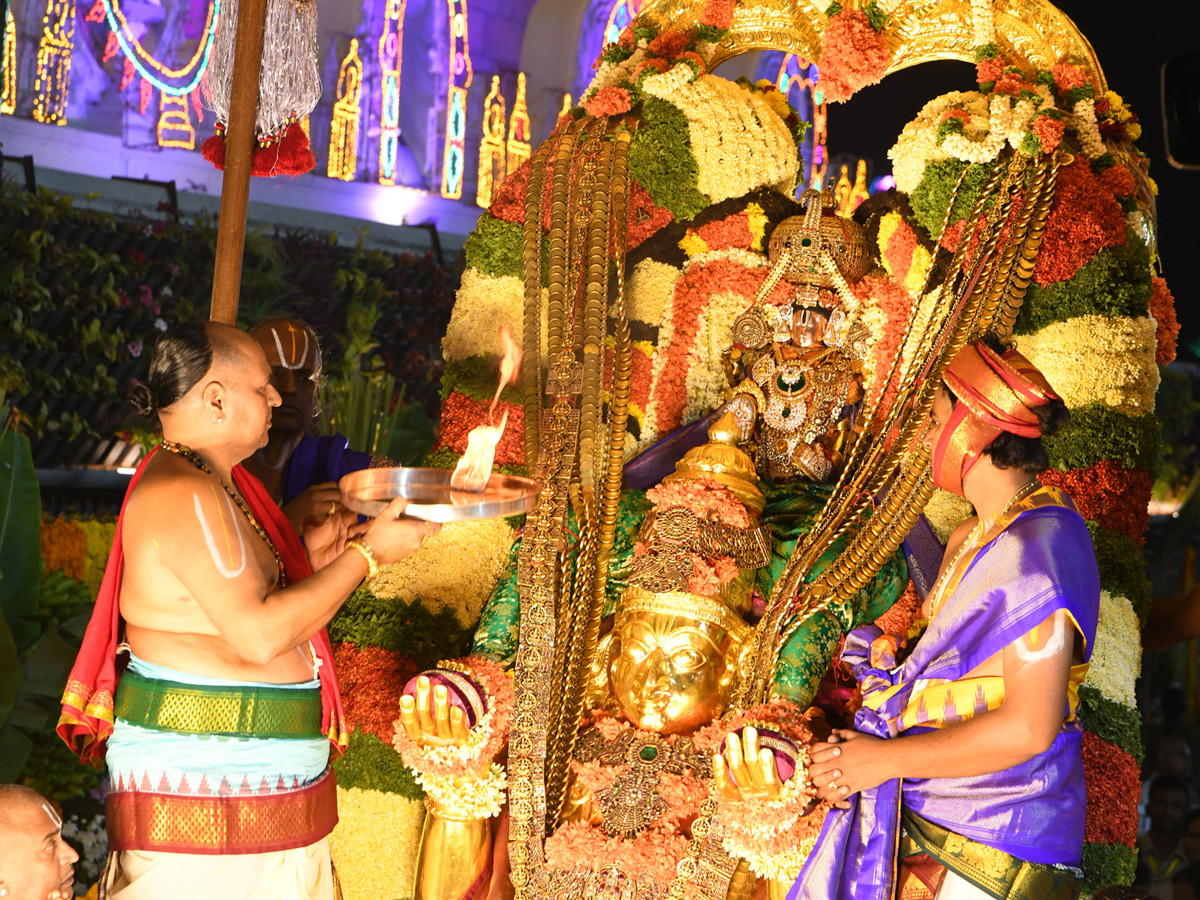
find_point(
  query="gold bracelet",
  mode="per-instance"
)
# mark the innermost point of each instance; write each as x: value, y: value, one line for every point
x: 368, y: 555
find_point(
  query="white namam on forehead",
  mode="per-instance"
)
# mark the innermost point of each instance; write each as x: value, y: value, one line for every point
x: 55, y: 818
x: 291, y: 361
x: 229, y: 569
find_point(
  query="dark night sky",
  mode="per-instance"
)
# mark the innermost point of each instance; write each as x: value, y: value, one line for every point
x: 1132, y: 40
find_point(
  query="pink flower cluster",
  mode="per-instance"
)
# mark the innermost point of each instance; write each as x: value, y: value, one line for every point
x: 704, y: 498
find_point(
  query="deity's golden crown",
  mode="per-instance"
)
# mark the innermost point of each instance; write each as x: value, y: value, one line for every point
x: 684, y: 603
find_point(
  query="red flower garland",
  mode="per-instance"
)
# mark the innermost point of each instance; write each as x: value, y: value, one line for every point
x: 723, y: 234
x: 1119, y: 180
x: 1162, y: 307
x: 371, y: 681
x: 508, y: 200
x: 669, y: 44
x: 1067, y: 77
x: 460, y: 414
x: 646, y: 217
x: 899, y: 251
x: 953, y: 234
x: 1113, y: 789
x: 609, y: 101
x: 718, y: 14
x: 853, y: 55
x: 1116, y: 497
x: 1049, y: 132
x: 1084, y: 218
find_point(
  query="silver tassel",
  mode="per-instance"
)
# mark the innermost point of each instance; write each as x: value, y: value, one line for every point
x: 289, y: 83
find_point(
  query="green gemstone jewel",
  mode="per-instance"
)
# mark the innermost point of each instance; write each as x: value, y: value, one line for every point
x: 805, y: 242
x: 649, y: 753
x: 787, y: 411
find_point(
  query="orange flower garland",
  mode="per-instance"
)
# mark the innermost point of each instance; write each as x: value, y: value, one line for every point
x: 853, y: 55
x: 1084, y: 218
x: 371, y: 680
x: 64, y: 546
x: 1109, y: 493
x: 1162, y: 307
x: 460, y: 414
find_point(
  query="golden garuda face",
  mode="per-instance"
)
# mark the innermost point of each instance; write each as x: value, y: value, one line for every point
x: 675, y: 659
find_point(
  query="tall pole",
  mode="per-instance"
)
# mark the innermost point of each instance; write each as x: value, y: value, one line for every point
x: 239, y: 156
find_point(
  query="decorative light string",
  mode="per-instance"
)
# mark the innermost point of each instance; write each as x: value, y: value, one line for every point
x: 458, y: 80
x: 519, y: 148
x: 343, y: 131
x: 52, y: 77
x: 491, y: 146
x: 391, y: 53
x: 175, y: 123
x: 175, y: 82
x: 8, y: 94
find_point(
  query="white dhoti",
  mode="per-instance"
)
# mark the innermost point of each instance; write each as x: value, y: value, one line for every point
x: 301, y: 874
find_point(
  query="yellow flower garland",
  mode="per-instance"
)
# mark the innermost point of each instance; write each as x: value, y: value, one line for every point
x: 457, y: 568
x: 1098, y: 359
x: 946, y: 511
x: 1117, y: 657
x: 375, y: 843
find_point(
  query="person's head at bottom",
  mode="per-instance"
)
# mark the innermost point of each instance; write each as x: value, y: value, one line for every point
x: 210, y: 386
x: 35, y: 862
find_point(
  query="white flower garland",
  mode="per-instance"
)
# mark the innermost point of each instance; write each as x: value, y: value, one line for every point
x: 983, y: 22
x: 945, y: 512
x: 465, y: 798
x: 1117, y: 657
x: 1083, y: 121
x: 706, y: 381
x: 483, y: 304
x: 647, y: 290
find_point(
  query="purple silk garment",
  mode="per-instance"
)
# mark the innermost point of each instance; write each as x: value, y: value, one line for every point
x: 1042, y: 562
x: 318, y: 460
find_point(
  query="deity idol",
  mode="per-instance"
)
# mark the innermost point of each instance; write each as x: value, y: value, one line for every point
x: 672, y: 789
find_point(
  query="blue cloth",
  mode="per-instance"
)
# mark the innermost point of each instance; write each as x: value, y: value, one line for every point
x: 162, y: 760
x: 317, y: 460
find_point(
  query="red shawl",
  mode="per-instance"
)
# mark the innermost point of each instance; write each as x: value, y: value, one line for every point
x: 87, y: 703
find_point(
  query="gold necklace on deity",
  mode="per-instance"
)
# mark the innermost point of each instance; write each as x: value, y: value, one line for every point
x: 194, y: 458
x: 970, y: 542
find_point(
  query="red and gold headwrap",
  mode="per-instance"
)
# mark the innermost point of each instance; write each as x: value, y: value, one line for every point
x: 996, y: 393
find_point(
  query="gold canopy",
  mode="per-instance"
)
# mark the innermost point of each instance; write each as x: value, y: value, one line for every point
x: 1032, y: 34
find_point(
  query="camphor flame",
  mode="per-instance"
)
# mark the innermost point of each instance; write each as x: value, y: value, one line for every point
x: 475, y: 467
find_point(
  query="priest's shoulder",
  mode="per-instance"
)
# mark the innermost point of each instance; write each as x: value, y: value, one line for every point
x: 167, y: 488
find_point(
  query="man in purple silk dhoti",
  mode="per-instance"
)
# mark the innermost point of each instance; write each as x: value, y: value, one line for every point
x: 962, y: 776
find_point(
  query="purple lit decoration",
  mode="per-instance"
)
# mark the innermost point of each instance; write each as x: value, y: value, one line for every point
x: 459, y: 79
x: 882, y: 183
x: 798, y: 80
x: 391, y: 50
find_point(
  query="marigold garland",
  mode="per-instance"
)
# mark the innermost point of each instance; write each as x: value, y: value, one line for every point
x: 64, y: 546
x: 371, y: 680
x: 1162, y: 308
x: 1113, y: 788
x: 461, y: 414
x: 1084, y: 217
x: 853, y: 55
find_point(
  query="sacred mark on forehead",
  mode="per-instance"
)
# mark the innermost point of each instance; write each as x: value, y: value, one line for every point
x: 226, y: 569
x: 291, y: 362
x: 55, y: 818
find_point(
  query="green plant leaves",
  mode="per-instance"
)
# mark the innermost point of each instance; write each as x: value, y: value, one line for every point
x: 20, y: 535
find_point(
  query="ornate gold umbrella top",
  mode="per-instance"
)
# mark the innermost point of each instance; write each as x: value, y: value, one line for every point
x: 1031, y: 34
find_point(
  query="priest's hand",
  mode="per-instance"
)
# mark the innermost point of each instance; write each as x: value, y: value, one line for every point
x: 428, y: 718
x: 745, y: 771
x: 847, y: 763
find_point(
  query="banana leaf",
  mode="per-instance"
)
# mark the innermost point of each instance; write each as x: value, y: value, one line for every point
x: 20, y: 539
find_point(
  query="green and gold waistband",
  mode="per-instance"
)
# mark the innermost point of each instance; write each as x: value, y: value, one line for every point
x: 993, y: 871
x: 258, y: 711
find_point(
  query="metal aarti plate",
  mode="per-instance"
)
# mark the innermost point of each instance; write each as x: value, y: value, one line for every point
x: 431, y: 498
